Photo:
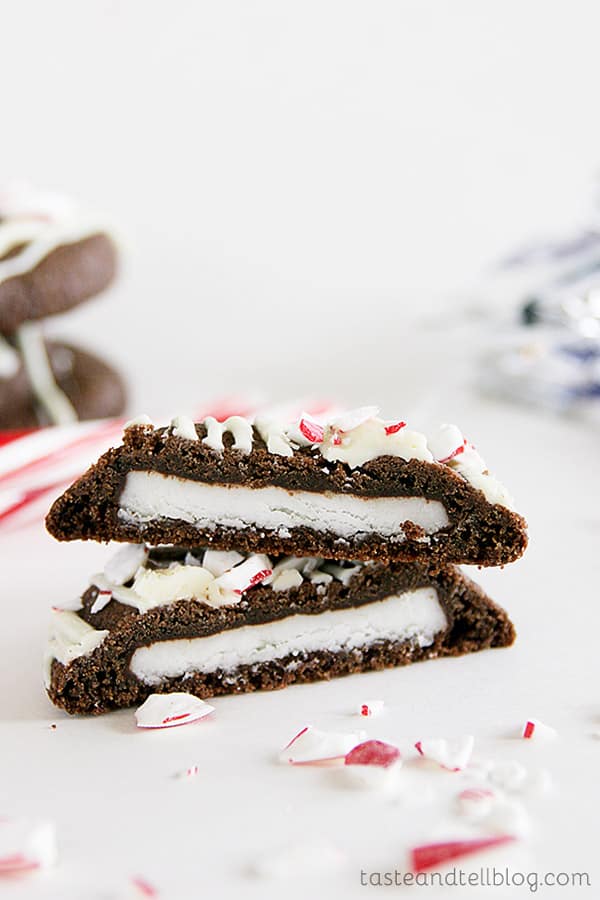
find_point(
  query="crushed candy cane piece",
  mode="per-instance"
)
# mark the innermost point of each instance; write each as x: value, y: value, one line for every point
x: 26, y: 845
x: 143, y: 887
x: 298, y: 859
x: 166, y: 710
x: 371, y: 708
x: 476, y: 802
x: 446, y: 442
x: 103, y: 598
x: 123, y: 565
x: 242, y: 577
x: 311, y: 430
x: 288, y: 579
x: 450, y: 755
x: 313, y: 747
x: 347, y: 421
x: 430, y: 856
x: 190, y: 772
x: 373, y: 753
x: 533, y: 728
x: 220, y: 561
x: 394, y: 427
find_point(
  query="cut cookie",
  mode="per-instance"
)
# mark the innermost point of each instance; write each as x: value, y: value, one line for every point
x: 52, y: 256
x: 354, y: 487
x: 90, y: 386
x: 203, y: 622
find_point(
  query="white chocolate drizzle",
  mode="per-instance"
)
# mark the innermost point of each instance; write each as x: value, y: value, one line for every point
x: 237, y: 426
x: 50, y: 397
x: 355, y: 438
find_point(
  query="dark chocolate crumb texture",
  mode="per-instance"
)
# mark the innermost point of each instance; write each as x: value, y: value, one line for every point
x: 349, y: 487
x: 215, y: 622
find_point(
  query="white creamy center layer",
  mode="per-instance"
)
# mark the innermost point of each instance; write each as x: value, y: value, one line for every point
x: 148, y: 496
x: 413, y: 615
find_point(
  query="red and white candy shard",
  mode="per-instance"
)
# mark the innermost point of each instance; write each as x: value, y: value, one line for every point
x: 167, y: 710
x: 432, y: 856
x: 371, y: 708
x: 353, y: 418
x: 451, y: 755
x: 373, y: 753
x: 26, y: 845
x: 535, y: 730
x: 476, y: 802
x: 311, y: 430
x: 313, y: 747
x: 447, y: 443
x: 241, y: 578
x: 143, y: 888
x: 103, y: 598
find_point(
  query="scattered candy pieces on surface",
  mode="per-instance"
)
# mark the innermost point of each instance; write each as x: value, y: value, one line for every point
x: 536, y: 730
x: 373, y: 753
x: 371, y: 708
x: 452, y: 755
x: 167, y: 710
x: 143, y: 888
x: 313, y: 747
x: 432, y: 856
x: 26, y: 845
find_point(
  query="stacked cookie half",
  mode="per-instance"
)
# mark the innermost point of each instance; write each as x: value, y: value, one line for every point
x: 52, y: 257
x: 262, y: 553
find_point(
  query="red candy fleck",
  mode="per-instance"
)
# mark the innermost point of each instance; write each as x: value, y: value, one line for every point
x: 475, y: 794
x: 296, y: 736
x: 312, y: 431
x: 364, y: 710
x: 429, y: 856
x: 372, y: 753
x: 392, y: 429
x: 460, y: 449
x: 175, y: 718
x: 16, y: 863
x: 260, y: 576
x: 144, y: 887
x: 336, y: 440
x: 528, y: 730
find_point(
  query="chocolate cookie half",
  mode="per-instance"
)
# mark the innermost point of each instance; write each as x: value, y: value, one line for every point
x: 355, y: 487
x: 210, y: 622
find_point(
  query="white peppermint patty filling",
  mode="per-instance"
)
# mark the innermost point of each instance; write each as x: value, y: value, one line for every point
x: 151, y: 496
x: 411, y: 616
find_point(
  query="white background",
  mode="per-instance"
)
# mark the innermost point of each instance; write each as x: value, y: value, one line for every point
x: 297, y: 184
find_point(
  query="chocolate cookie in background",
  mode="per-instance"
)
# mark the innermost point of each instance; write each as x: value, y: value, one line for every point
x: 53, y: 257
